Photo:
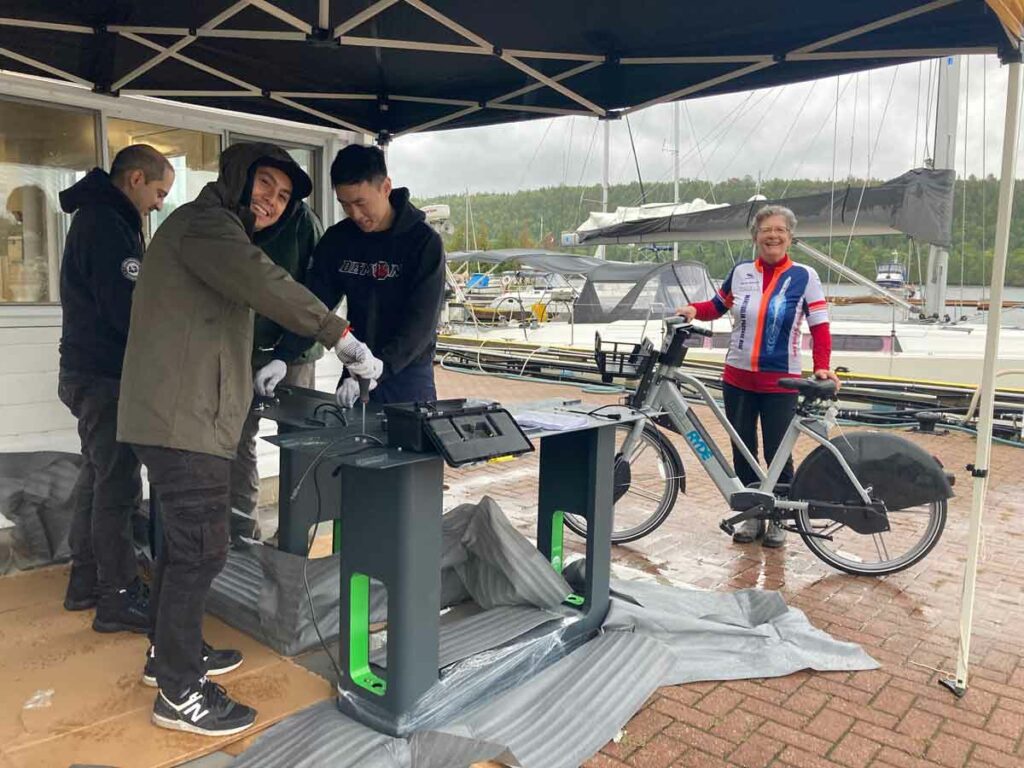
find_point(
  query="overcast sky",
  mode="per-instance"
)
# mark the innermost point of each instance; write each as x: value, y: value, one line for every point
x: 788, y: 132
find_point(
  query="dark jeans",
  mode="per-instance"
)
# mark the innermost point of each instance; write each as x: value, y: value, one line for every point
x: 192, y: 491
x: 414, y: 384
x: 109, y: 487
x: 744, y: 408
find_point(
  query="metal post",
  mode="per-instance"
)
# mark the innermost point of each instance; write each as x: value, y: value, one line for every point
x: 675, y: 168
x: 946, y: 111
x: 605, y: 164
x: 1011, y: 136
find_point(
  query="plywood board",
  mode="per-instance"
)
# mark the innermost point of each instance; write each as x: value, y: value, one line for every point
x: 98, y: 712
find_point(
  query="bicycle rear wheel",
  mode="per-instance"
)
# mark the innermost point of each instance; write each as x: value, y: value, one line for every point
x: 908, y: 480
x: 646, y: 485
x: 912, y: 534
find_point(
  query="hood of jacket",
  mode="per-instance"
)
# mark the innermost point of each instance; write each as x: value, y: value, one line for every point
x: 234, y: 184
x: 407, y: 215
x: 97, y: 189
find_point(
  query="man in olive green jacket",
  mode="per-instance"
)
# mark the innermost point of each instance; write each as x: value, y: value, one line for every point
x: 186, y: 389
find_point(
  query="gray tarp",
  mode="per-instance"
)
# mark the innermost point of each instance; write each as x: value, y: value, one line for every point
x: 654, y: 635
x: 36, y: 495
x: 919, y: 204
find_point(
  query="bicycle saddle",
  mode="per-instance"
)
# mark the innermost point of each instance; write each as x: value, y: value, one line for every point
x: 811, y: 389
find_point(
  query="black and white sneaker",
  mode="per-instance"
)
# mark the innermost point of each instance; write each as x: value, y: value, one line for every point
x: 218, y: 661
x: 204, y: 708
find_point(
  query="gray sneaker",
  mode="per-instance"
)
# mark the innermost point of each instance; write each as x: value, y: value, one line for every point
x: 775, y: 537
x: 748, y: 531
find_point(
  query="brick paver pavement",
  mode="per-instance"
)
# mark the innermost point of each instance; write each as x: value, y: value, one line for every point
x: 893, y: 717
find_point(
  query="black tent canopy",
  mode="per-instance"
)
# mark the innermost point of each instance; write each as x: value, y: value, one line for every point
x: 396, y: 66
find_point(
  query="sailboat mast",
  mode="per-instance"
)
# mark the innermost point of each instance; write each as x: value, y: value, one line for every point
x: 947, y: 107
x: 675, y: 169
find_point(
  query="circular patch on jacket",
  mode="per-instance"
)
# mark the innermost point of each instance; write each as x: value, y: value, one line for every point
x: 130, y: 268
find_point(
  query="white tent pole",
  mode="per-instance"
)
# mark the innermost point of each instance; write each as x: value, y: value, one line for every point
x: 605, y: 167
x: 1011, y: 135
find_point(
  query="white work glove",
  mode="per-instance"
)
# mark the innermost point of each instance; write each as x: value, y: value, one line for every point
x: 358, y: 357
x: 348, y: 393
x: 268, y: 377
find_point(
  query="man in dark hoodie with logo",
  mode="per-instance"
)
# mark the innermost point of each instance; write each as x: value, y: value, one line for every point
x: 289, y: 242
x: 102, y: 258
x: 389, y: 265
x: 186, y: 391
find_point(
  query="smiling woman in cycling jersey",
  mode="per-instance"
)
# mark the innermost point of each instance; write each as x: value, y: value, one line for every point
x: 769, y: 299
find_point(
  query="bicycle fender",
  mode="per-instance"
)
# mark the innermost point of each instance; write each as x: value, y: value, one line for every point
x: 898, y: 472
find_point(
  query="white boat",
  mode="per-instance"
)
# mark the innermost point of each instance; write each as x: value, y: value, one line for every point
x: 891, y: 275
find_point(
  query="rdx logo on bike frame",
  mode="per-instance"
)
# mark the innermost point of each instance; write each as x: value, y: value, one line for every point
x: 697, y: 443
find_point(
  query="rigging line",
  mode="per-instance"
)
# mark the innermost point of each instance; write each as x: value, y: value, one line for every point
x: 700, y: 156
x: 963, y: 213
x: 871, y: 152
x: 718, y: 131
x: 917, y: 115
x: 636, y: 160
x: 720, y: 139
x: 853, y: 122
x: 929, y: 91
x: 639, y: 127
x: 583, y: 170
x: 806, y: 154
x: 535, y: 151
x: 758, y: 124
x: 568, y: 151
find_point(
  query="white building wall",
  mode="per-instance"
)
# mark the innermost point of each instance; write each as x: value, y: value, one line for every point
x: 32, y: 418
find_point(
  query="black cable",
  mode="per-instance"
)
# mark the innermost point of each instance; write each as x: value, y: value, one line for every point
x: 309, y: 546
x: 334, y: 410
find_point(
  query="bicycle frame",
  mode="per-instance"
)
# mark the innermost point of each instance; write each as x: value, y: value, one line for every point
x: 665, y: 398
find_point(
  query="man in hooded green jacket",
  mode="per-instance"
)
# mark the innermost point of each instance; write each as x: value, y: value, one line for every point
x: 186, y: 389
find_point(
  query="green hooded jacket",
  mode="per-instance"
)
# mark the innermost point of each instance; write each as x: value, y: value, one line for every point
x: 289, y: 244
x: 187, y: 376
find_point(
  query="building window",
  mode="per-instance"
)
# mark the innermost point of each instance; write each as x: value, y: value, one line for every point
x: 194, y: 155
x: 43, y: 149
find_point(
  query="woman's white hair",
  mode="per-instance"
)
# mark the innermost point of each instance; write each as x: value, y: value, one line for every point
x: 773, y: 210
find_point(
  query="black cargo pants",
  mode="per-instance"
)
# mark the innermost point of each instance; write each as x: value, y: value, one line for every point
x: 193, y: 492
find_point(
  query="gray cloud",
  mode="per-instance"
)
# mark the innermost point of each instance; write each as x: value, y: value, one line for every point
x: 787, y: 132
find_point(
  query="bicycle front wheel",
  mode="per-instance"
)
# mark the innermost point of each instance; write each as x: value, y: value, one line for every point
x: 646, y: 485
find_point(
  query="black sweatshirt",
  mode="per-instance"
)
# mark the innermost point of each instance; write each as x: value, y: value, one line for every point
x: 102, y: 259
x: 394, y: 282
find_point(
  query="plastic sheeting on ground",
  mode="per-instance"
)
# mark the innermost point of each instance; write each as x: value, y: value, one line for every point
x: 36, y: 491
x: 654, y: 635
x: 483, y: 559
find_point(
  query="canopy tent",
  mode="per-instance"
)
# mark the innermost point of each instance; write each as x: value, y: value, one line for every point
x: 392, y: 67
x: 918, y: 203
x: 552, y: 262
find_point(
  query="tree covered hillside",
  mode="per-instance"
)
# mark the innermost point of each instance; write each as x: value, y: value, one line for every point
x: 537, y: 217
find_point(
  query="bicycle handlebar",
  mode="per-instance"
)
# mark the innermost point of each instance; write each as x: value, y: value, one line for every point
x: 687, y: 325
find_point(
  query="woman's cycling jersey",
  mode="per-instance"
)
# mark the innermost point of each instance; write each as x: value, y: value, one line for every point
x: 766, y: 328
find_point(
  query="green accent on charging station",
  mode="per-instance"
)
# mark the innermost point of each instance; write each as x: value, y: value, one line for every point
x: 359, y: 637
x: 575, y: 599
x: 557, y: 531
x: 336, y: 538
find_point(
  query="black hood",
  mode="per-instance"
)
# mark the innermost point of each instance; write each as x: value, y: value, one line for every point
x: 407, y: 215
x: 97, y: 189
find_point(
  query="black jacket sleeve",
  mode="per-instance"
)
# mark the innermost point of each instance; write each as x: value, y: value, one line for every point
x: 320, y: 279
x: 109, y: 253
x: 419, y: 328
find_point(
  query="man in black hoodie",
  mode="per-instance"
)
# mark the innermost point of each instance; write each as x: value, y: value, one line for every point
x: 102, y: 260
x: 389, y: 264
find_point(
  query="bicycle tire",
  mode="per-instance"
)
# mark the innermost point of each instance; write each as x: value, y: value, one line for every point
x: 916, y: 510
x: 673, y: 481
